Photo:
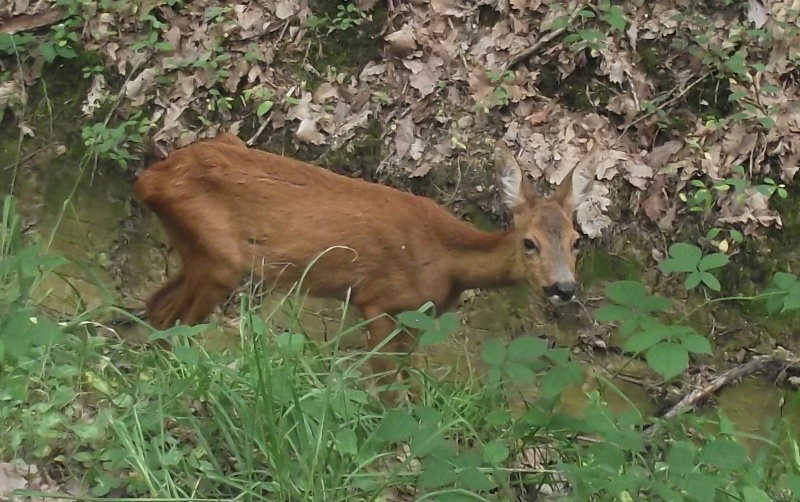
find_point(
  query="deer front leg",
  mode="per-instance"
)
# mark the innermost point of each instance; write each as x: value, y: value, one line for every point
x: 384, y: 367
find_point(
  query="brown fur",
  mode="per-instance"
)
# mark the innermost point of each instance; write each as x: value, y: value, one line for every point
x: 229, y: 209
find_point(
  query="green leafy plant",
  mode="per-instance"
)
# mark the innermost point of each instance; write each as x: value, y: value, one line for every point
x: 666, y: 346
x: 347, y: 16
x: 689, y: 259
x: 112, y: 143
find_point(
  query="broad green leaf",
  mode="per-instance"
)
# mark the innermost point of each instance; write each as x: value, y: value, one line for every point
x: 784, y: 281
x: 791, y: 302
x: 683, y: 258
x: 556, y: 380
x: 702, y: 486
x: 654, y: 303
x: 692, y: 281
x: 560, y: 22
x: 712, y: 261
x: 416, y: 319
x: 519, y: 373
x: 448, y: 323
x: 736, y: 95
x: 264, y: 107
x: 526, y: 348
x: 397, y: 425
x: 774, y: 301
x: 187, y: 355
x: 495, y: 452
x: 432, y: 337
x: 48, y: 51
x: 696, y: 344
x: 347, y: 442
x: 668, y: 359
x: 436, y: 473
x: 473, y: 480
x: 755, y: 494
x: 680, y: 457
x: 626, y: 293
x: 628, y: 327
x: 793, y: 482
x: 291, y: 344
x: 642, y: 341
x: 725, y: 454
x: 498, y: 418
x: 710, y: 281
x: 494, y: 353
x: 672, y: 266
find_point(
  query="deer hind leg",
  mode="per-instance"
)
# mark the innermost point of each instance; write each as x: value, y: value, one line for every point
x: 385, y: 367
x: 160, y: 305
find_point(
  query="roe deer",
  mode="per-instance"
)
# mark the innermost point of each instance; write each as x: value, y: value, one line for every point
x: 229, y: 209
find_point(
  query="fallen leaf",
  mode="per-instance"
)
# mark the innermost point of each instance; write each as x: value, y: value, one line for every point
x: 307, y: 132
x: 756, y: 13
x: 402, y: 42
x: 404, y: 136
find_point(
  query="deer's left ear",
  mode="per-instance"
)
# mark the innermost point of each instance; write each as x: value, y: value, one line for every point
x: 566, y: 194
x: 515, y: 190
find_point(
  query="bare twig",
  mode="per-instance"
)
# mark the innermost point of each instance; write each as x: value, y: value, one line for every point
x: 666, y: 103
x: 25, y: 22
x: 753, y: 365
x: 251, y: 141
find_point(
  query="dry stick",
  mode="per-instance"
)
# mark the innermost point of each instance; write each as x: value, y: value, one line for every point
x: 665, y: 103
x: 751, y: 366
x: 530, y: 51
x: 27, y: 22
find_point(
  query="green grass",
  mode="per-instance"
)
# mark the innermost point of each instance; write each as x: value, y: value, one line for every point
x: 284, y: 418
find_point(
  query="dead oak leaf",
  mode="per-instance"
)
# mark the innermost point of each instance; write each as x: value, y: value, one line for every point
x: 424, y: 77
x: 660, y: 155
x: 404, y: 136
x: 403, y: 41
x: 638, y: 173
x: 284, y: 9
x: 307, y: 132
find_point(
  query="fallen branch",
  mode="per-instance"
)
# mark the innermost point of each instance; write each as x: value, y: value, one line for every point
x: 26, y: 22
x: 753, y: 365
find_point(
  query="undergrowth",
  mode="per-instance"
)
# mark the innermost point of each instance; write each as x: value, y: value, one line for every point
x: 287, y: 418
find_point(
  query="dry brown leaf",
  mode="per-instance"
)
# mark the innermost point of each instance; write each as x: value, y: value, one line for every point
x: 307, y: 132
x: 403, y: 41
x: 756, y: 13
x: 98, y: 93
x: 12, y: 477
x: 660, y: 155
x: 654, y: 204
x: 404, y: 136
x: 284, y: 9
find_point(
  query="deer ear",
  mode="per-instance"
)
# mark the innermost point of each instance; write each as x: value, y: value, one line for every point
x: 515, y: 191
x: 565, y: 194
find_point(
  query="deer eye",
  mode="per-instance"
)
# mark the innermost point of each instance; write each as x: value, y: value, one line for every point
x: 530, y: 246
x: 576, y: 245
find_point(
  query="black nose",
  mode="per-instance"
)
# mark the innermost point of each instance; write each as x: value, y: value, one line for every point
x: 563, y: 290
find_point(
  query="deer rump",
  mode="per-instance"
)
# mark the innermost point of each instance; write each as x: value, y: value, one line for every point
x: 228, y: 209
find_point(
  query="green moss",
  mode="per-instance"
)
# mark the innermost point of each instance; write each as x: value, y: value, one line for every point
x: 601, y: 266
x: 363, y: 154
x: 580, y: 91
x: 346, y: 49
x: 709, y: 99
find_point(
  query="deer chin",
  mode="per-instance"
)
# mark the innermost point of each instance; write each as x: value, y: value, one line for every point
x: 557, y: 302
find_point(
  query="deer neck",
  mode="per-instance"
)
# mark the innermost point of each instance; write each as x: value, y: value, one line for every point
x: 484, y: 259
